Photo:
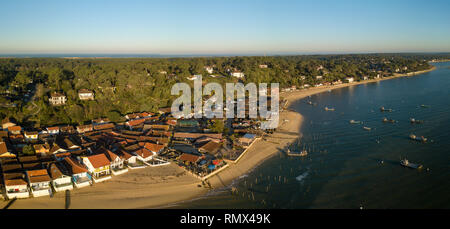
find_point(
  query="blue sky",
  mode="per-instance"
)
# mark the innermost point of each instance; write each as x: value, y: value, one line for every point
x: 224, y: 27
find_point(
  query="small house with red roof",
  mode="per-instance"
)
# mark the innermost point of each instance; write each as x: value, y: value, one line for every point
x: 80, y: 176
x: 117, y: 162
x: 98, y: 166
x: 15, y: 185
x: 53, y: 130
x: 39, y: 182
x: 61, y: 179
x: 15, y: 129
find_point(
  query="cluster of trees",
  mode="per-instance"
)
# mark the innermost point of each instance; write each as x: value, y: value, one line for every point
x: 125, y: 85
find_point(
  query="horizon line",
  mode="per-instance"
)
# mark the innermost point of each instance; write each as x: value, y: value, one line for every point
x: 156, y: 55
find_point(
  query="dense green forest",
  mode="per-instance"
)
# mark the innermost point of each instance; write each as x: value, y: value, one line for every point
x: 125, y: 85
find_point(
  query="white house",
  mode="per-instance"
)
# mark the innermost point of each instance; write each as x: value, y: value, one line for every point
x: 350, y: 79
x: 53, y: 130
x: 61, y: 179
x: 85, y: 94
x: 99, y: 166
x: 15, y: 186
x: 39, y: 182
x: 117, y: 163
x: 237, y: 74
x: 194, y: 77
x: 31, y: 136
x: 57, y: 99
x: 144, y: 154
x: 209, y: 69
x: 79, y: 173
x: 131, y: 161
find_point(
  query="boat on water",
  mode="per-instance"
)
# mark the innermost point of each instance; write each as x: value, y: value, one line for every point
x: 367, y: 128
x: 382, y: 109
x: 386, y: 120
x: 424, y: 106
x: 415, y: 138
x: 408, y: 164
x: 311, y: 103
x: 303, y: 153
x: 413, y: 120
x: 329, y: 109
x: 355, y: 122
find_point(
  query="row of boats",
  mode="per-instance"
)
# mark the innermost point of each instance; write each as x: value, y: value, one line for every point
x: 403, y: 162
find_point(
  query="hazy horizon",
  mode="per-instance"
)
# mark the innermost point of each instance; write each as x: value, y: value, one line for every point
x: 212, y: 28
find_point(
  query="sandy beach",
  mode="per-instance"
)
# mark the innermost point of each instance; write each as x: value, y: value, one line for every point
x: 157, y: 187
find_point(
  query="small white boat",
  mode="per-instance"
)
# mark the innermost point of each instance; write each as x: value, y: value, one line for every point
x: 415, y: 121
x: 355, y: 122
x: 367, y: 128
x: 329, y: 109
x: 382, y: 109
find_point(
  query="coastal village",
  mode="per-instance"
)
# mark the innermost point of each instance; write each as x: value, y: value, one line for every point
x: 40, y: 162
x: 66, y: 157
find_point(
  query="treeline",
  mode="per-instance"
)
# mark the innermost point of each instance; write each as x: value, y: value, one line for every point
x: 125, y: 85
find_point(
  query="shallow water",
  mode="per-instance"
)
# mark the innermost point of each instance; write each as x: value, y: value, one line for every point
x: 348, y: 166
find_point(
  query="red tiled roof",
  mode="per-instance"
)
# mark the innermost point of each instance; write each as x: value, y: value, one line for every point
x: 98, y: 160
x: 74, y: 167
x: 39, y: 172
x: 152, y: 147
x: 211, y: 147
x: 189, y: 157
x: 40, y: 175
x: 104, y: 126
x: 172, y: 122
x: 196, y: 135
x: 14, y: 128
x: 53, y: 128
x: 55, y: 172
x: 3, y: 148
x: 15, y: 182
x: 110, y: 155
x: 135, y: 122
x: 144, y: 153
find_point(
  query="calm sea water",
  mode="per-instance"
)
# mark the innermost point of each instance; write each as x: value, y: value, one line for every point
x: 344, y: 167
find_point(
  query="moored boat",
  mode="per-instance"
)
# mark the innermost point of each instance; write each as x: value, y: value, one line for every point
x: 367, y: 128
x: 408, y: 164
x: 415, y: 138
x: 413, y: 120
x: 329, y: 109
x: 389, y: 120
x: 382, y: 109
x: 355, y: 122
x: 297, y: 154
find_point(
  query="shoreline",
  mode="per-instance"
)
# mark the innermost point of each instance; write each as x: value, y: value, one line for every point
x: 167, y: 186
